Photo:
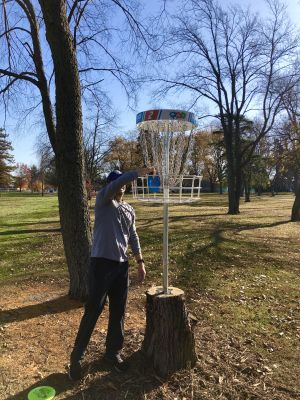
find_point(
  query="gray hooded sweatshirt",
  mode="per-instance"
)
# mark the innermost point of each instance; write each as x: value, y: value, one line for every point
x: 114, y: 225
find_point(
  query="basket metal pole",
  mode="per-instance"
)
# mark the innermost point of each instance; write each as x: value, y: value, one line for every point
x: 166, y: 211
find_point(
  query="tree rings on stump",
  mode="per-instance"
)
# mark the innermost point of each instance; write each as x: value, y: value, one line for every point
x: 169, y: 340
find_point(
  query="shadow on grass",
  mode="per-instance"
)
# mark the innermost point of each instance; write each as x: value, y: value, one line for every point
x: 30, y: 223
x: 25, y: 231
x: 134, y: 384
x: 243, y: 227
x: 55, y: 306
x: 197, y: 250
x: 196, y: 265
x: 209, y: 203
x: 147, y: 222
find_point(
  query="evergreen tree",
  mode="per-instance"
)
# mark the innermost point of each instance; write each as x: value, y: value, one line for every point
x: 34, y: 178
x: 6, y: 159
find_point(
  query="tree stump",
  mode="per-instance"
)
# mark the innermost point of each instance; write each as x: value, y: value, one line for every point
x: 169, y: 340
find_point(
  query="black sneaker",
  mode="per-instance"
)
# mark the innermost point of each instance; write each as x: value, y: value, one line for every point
x: 117, y: 362
x: 75, y: 371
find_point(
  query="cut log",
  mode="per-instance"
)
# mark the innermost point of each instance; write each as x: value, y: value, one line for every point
x: 169, y: 339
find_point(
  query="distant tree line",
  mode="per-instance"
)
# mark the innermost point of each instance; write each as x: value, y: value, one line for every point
x: 273, y: 166
x: 22, y: 176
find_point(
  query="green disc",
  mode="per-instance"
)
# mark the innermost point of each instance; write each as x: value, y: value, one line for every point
x: 41, y: 393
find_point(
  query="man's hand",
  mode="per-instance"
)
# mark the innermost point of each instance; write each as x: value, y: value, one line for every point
x: 146, y: 171
x: 141, y: 272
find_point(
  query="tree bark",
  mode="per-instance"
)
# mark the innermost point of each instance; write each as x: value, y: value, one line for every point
x: 296, y: 206
x: 69, y: 156
x: 233, y: 173
x: 221, y: 188
x: 247, y: 191
x: 233, y: 192
x: 169, y: 340
x: 247, y: 196
x: 272, y: 191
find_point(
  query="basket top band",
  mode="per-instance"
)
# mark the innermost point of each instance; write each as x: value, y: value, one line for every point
x: 166, y: 120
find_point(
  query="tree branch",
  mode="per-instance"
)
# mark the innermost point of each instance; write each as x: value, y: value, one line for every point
x: 16, y: 28
x: 23, y: 75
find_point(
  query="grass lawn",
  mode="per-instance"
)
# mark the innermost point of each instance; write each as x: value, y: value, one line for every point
x: 241, y: 279
x: 31, y: 242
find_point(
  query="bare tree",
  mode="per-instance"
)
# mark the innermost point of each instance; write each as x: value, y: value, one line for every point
x: 291, y: 137
x: 46, y: 74
x: 208, y: 156
x: 46, y: 167
x: 236, y: 62
x: 97, y: 146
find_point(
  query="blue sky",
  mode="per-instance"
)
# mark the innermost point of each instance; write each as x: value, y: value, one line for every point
x: 23, y: 138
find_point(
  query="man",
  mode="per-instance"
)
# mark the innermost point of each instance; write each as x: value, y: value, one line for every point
x: 114, y: 229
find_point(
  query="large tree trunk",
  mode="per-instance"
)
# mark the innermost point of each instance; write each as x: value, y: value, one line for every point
x: 247, y: 190
x: 233, y: 173
x: 73, y: 205
x: 169, y: 340
x: 272, y: 190
x: 233, y: 191
x: 221, y: 188
x: 247, y: 195
x: 296, y: 206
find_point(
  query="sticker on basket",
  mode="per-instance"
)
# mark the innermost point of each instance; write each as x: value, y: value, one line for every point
x: 153, y: 183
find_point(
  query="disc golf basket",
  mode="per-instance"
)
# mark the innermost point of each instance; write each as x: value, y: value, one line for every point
x: 166, y: 142
x: 182, y: 189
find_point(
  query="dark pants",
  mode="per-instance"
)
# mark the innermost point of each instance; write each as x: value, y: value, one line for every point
x: 106, y: 278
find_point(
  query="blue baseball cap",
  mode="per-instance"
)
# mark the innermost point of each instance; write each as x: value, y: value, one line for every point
x: 112, y: 176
